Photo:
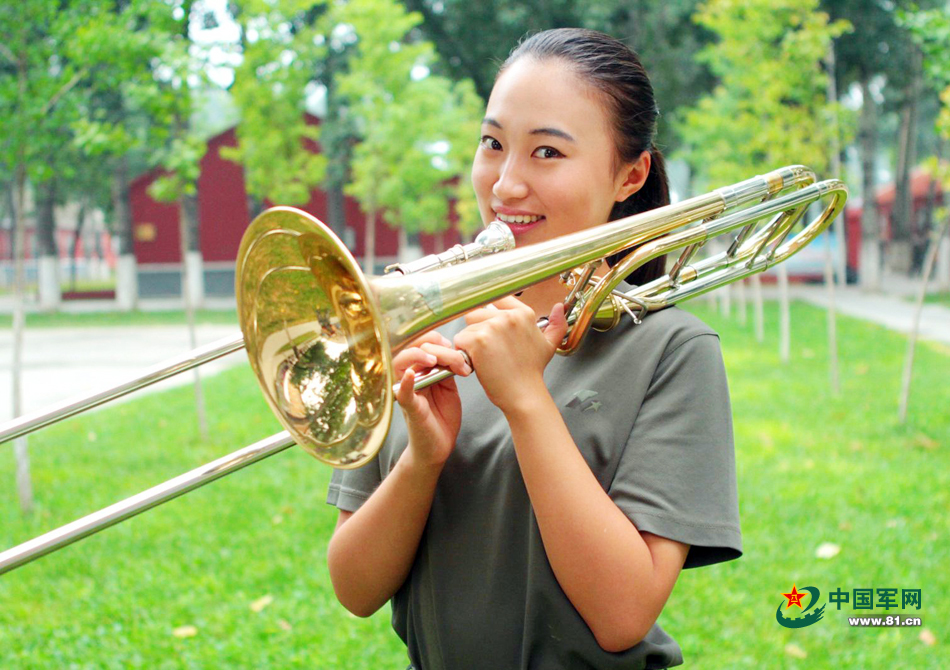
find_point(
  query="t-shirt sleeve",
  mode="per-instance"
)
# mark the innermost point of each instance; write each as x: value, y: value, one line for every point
x: 677, y: 477
x: 349, y: 489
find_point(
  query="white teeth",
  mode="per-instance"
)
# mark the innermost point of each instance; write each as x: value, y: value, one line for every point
x: 517, y: 219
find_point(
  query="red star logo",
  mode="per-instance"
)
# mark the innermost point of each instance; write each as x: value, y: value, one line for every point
x: 794, y: 598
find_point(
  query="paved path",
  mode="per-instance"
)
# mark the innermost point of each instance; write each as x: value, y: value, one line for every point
x: 890, y: 311
x: 60, y: 363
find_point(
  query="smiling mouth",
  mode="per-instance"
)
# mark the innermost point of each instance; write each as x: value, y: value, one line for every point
x: 519, y: 220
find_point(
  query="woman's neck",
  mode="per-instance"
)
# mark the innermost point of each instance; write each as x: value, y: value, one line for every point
x: 542, y: 297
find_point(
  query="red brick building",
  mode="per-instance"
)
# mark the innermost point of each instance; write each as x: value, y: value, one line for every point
x: 223, y: 212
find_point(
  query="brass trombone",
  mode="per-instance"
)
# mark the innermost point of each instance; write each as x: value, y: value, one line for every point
x: 320, y: 334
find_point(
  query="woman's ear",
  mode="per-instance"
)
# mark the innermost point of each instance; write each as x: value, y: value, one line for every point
x: 634, y: 176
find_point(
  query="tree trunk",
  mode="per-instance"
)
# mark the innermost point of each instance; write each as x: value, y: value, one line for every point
x: 191, y: 255
x: 336, y: 210
x: 126, y: 281
x: 912, y: 340
x: 254, y: 207
x: 902, y: 220
x: 47, y: 261
x: 784, y: 339
x: 832, y: 326
x: 336, y: 142
x: 757, y: 308
x: 121, y: 205
x: 11, y: 208
x: 369, y: 244
x: 741, y: 302
x: 74, y: 251
x: 841, y: 257
x: 46, y: 218
x: 187, y: 210
x: 838, y: 226
x: 928, y: 223
x: 725, y: 301
x: 870, y: 260
x: 20, y: 445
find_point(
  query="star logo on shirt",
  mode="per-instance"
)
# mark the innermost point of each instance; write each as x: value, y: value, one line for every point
x: 586, y: 401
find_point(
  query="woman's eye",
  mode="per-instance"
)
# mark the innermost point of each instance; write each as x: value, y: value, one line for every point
x: 489, y: 142
x: 547, y: 152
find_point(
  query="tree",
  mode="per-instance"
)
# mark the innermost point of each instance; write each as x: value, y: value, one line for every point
x: 873, y: 53
x: 417, y: 130
x: 127, y: 108
x: 283, y: 47
x: 35, y: 102
x: 931, y: 32
x: 663, y: 35
x: 770, y: 107
x: 181, y: 162
x: 474, y: 37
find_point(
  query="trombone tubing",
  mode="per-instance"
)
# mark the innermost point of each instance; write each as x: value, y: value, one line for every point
x: 120, y: 511
x: 54, y: 413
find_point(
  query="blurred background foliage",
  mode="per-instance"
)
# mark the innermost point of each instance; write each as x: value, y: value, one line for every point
x: 127, y: 85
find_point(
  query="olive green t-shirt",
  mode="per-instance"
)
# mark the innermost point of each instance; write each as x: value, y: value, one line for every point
x: 648, y: 407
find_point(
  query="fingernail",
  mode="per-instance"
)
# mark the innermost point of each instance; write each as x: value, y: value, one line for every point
x: 431, y: 360
x: 467, y: 368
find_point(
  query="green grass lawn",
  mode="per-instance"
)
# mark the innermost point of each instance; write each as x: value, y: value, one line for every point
x: 940, y: 298
x: 812, y: 469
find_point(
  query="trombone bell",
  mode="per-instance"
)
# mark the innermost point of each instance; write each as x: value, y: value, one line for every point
x: 313, y: 335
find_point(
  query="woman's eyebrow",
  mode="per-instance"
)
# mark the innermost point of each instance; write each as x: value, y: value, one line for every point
x: 554, y: 132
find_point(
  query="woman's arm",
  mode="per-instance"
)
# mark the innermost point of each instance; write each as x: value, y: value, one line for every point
x: 372, y: 549
x: 617, y: 578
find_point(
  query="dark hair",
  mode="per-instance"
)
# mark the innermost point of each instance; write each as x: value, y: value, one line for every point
x: 612, y: 68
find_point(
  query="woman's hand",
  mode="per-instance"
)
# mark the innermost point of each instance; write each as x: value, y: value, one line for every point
x: 434, y: 414
x: 509, y: 351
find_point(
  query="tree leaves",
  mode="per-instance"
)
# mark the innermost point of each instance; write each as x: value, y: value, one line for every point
x: 283, y: 49
x: 770, y: 107
x: 418, y: 130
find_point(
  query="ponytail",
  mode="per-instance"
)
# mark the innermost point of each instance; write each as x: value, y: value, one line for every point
x: 654, y: 193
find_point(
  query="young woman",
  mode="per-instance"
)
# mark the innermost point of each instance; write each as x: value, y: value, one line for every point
x: 537, y: 513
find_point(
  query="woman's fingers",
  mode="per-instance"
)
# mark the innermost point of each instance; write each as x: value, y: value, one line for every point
x: 405, y: 395
x: 448, y: 357
x: 497, y: 308
x: 557, y: 325
x: 432, y: 337
x: 508, y: 302
x: 413, y: 404
x: 413, y: 356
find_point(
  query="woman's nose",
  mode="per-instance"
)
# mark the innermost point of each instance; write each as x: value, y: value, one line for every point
x: 510, y: 184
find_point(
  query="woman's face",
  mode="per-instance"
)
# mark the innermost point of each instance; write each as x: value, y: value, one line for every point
x: 545, y: 164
